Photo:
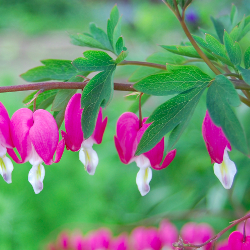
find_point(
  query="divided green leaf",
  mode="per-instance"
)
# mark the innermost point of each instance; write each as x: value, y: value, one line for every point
x: 168, y: 115
x: 121, y: 57
x: 246, y: 28
x: 93, y: 61
x: 99, y: 35
x: 178, y: 79
x: 247, y: 58
x: 96, y: 94
x: 178, y: 130
x: 53, y: 69
x: 44, y: 99
x: 186, y: 51
x: 233, y: 15
x: 59, y: 117
x: 86, y: 40
x: 219, y: 28
x: 62, y: 98
x: 233, y: 49
x: 245, y: 73
x: 221, y: 94
x: 114, y: 27
x: 213, y: 46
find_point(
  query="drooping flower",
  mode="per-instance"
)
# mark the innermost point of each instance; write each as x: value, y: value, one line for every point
x: 128, y: 136
x: 6, y: 166
x: 120, y: 243
x: 168, y: 234
x: 236, y: 241
x: 74, y: 138
x: 218, y: 146
x: 100, y: 239
x: 197, y: 234
x: 35, y: 136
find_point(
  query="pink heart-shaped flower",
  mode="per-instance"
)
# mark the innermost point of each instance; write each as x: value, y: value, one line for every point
x: 235, y: 241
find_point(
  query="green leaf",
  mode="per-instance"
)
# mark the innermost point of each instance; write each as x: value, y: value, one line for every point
x: 62, y: 97
x: 179, y: 79
x: 237, y: 30
x: 43, y: 101
x: 246, y: 28
x: 233, y: 15
x: 186, y: 51
x: 247, y: 58
x: 168, y: 115
x: 178, y: 130
x: 93, y: 61
x: 119, y: 46
x: 165, y: 57
x: 114, y: 26
x: 121, y: 57
x: 221, y: 94
x: 233, y: 49
x: 86, y: 40
x: 213, y: 46
x: 99, y: 35
x: 245, y: 73
x: 59, y: 117
x: 219, y: 28
x: 171, y: 4
x: 96, y: 94
x: 53, y: 69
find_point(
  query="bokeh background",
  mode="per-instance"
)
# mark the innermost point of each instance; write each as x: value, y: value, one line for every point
x: 32, y: 30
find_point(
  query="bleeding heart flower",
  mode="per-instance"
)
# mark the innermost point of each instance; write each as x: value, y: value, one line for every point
x: 35, y: 136
x: 127, y: 139
x: 197, y: 234
x: 74, y: 138
x: 168, y: 234
x: 218, y: 146
x: 120, y: 243
x: 100, y: 239
x: 6, y: 166
x: 236, y: 241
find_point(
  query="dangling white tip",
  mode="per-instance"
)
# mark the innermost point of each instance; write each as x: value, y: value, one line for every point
x: 143, y: 178
x: 36, y: 176
x: 89, y: 159
x: 225, y: 171
x: 6, y: 168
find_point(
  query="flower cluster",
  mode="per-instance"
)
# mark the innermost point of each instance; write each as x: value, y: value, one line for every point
x: 35, y: 136
x: 141, y: 238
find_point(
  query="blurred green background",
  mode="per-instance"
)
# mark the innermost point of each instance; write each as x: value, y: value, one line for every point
x: 32, y: 30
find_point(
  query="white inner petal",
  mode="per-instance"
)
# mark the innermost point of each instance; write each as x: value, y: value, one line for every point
x: 88, y: 143
x: 6, y: 168
x: 89, y: 159
x: 143, y: 178
x: 225, y: 171
x: 34, y: 158
x: 3, y: 150
x: 142, y: 161
x: 36, y: 177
